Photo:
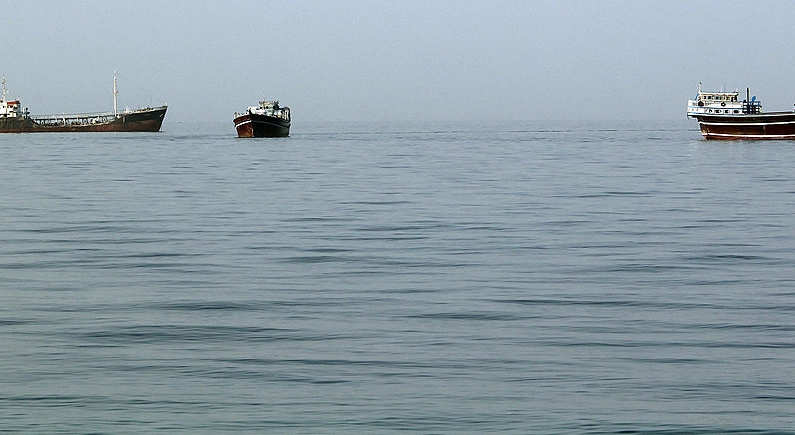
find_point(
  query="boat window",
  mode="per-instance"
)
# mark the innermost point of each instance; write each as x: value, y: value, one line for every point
x: 736, y: 111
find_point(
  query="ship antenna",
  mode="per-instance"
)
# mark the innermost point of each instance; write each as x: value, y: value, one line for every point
x: 115, y: 112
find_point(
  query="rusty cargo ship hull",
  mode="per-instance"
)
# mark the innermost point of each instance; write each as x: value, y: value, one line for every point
x: 757, y: 126
x: 143, y: 120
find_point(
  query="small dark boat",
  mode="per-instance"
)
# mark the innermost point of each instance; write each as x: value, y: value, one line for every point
x: 266, y: 120
x: 721, y: 115
x: 15, y: 120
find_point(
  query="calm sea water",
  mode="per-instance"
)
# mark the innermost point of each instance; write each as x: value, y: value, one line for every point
x: 375, y: 277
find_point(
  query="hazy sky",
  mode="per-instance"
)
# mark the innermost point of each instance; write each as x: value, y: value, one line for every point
x: 406, y: 60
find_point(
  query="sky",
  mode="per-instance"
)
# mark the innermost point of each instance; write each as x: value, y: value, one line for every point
x: 374, y: 60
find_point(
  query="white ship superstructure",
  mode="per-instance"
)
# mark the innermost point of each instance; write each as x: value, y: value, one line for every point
x: 269, y: 108
x: 716, y: 103
x: 10, y: 109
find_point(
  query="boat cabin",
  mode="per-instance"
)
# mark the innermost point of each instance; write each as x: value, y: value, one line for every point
x: 720, y: 103
x: 270, y: 108
x: 10, y: 109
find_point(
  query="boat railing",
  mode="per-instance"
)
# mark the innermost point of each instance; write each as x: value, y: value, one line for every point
x: 86, y: 116
x: 74, y: 118
x: 282, y: 112
x: 751, y: 107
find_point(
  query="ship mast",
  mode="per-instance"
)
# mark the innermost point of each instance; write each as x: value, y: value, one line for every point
x: 4, y: 89
x: 115, y: 112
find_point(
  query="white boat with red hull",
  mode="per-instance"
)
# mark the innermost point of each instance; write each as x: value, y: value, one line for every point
x: 722, y: 116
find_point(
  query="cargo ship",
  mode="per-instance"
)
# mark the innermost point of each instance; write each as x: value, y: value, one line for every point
x: 13, y: 119
x: 721, y: 115
x: 266, y: 120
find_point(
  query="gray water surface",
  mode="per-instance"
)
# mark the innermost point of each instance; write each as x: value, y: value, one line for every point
x: 431, y: 277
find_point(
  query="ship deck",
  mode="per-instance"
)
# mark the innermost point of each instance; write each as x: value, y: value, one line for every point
x: 80, y: 119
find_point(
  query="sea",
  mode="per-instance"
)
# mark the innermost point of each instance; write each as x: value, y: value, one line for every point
x: 392, y: 277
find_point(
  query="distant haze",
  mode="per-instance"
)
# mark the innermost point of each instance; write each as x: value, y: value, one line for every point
x: 408, y: 60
